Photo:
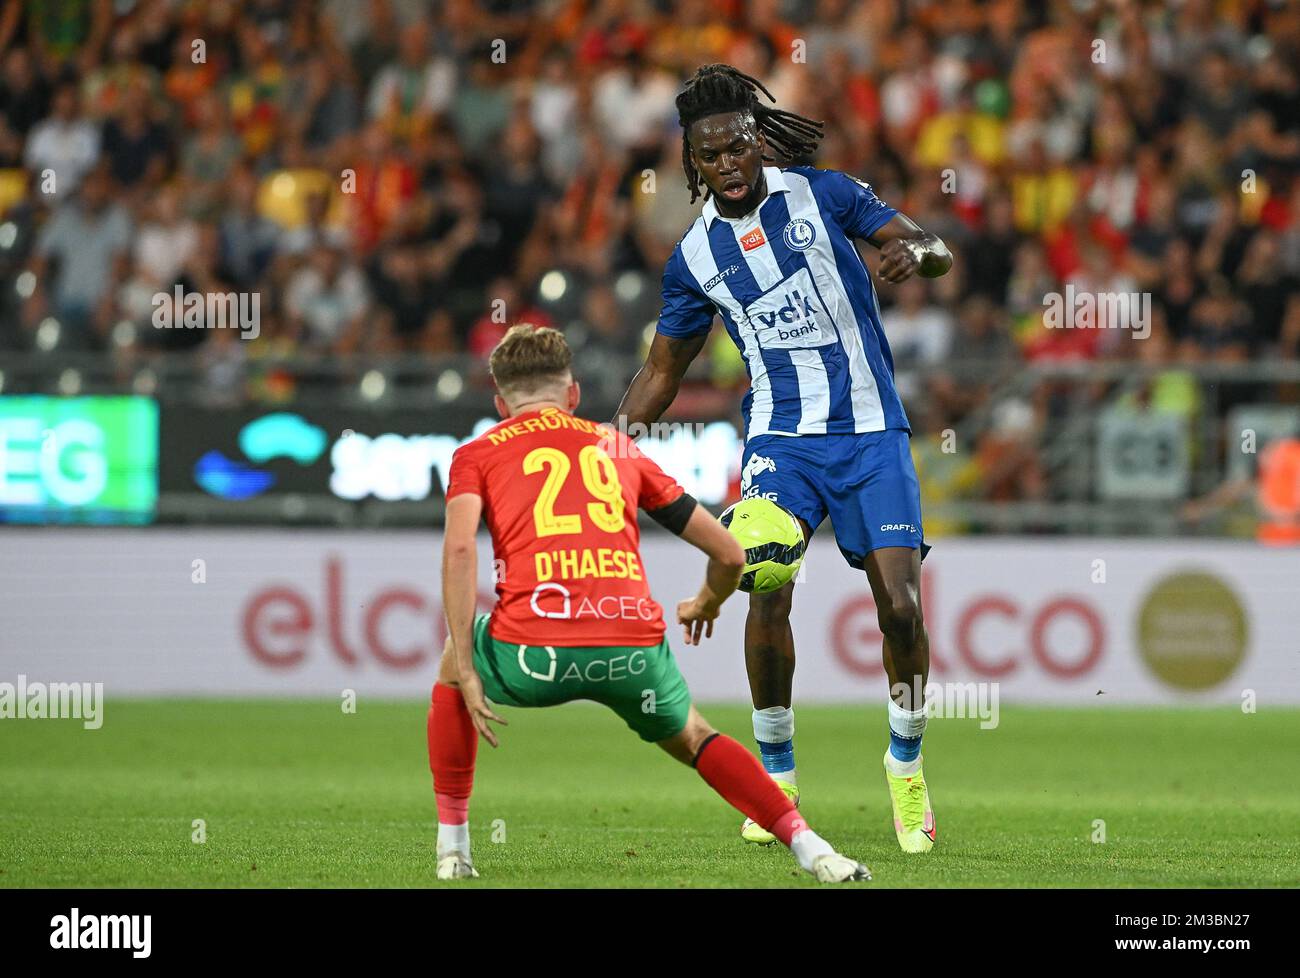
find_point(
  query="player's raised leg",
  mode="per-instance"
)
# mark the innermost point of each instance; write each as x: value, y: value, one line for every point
x: 895, y: 575
x: 735, y: 774
x: 453, y: 747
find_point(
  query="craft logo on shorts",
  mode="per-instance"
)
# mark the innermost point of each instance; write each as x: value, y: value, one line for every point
x: 754, y: 239
x: 1192, y: 631
x: 799, y: 234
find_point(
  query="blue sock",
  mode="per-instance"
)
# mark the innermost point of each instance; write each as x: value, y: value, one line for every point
x: 777, y: 758
x: 904, y: 748
x: 906, y: 727
x: 774, y: 732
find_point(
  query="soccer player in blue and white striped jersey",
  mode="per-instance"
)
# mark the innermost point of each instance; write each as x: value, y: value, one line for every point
x: 772, y: 254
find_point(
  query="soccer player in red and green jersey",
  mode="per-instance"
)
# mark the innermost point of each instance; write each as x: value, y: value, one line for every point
x: 574, y: 617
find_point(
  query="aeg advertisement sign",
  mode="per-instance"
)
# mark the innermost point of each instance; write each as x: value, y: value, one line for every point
x: 78, y: 459
x: 391, y: 456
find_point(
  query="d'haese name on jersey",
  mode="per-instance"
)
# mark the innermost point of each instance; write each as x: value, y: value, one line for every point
x: 575, y: 564
x: 789, y: 316
x: 551, y: 419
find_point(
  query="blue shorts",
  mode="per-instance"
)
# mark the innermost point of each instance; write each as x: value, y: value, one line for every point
x: 866, y: 483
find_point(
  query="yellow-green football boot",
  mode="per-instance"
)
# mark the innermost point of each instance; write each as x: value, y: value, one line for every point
x: 913, y: 816
x: 751, y: 831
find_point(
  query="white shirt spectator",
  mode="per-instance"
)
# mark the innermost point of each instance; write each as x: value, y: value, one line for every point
x: 327, y: 308
x: 162, y: 250
x: 432, y: 88
x: 70, y: 149
x: 920, y: 337
x: 84, y: 246
x: 634, y: 111
x: 554, y: 106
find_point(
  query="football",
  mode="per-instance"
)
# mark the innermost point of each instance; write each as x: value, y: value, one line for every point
x: 773, y: 542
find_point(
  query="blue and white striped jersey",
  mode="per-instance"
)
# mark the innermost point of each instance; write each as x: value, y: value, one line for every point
x: 797, y: 301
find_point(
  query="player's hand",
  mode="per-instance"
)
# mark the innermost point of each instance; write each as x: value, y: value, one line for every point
x: 696, y: 616
x: 471, y: 690
x: 900, y: 259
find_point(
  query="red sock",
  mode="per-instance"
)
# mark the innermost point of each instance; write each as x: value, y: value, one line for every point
x: 453, y: 745
x: 737, y: 776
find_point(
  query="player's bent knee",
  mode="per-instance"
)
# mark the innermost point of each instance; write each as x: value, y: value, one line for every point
x: 685, y: 744
x: 899, y: 611
x: 698, y: 730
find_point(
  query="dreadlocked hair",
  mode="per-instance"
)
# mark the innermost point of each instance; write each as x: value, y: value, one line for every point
x: 722, y: 88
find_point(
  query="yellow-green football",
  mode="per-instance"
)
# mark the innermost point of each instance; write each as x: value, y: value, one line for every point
x: 773, y: 542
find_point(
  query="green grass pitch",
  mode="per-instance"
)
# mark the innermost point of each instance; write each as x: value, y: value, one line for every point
x: 297, y: 793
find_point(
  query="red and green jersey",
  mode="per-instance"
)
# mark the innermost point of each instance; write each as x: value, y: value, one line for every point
x: 560, y: 498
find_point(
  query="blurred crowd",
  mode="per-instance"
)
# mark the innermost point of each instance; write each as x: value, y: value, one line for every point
x: 416, y: 175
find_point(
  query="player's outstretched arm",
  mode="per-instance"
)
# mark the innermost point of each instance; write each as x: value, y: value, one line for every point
x: 459, y: 599
x: 721, y: 577
x: 907, y: 249
x: 656, y: 383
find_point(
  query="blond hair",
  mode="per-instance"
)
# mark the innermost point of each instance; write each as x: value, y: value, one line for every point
x: 530, y: 360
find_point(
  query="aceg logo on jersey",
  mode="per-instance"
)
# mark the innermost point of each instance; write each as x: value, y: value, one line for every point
x: 552, y: 600
x: 788, y: 317
x: 754, y: 239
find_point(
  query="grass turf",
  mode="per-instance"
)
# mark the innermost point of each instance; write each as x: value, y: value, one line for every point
x: 297, y: 793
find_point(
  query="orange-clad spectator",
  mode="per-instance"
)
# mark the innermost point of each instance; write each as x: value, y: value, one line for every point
x: 507, y: 305
x: 188, y: 80
x: 763, y: 20
x: 105, y: 88
x: 844, y: 85
x: 698, y: 34
x: 385, y: 184
x: 1044, y: 59
x: 592, y: 215
x: 253, y: 93
x: 1278, y: 495
x: 610, y: 39
x: 1007, y: 454
x: 1276, y: 488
